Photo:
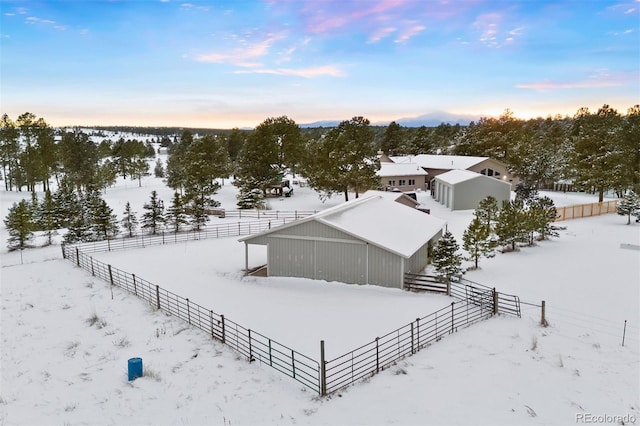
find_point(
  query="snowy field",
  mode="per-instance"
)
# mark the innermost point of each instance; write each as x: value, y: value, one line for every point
x: 59, y: 369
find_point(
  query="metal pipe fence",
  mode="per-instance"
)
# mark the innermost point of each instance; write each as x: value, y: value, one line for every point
x: 251, y: 344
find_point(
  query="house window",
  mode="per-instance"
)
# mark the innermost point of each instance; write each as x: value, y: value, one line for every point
x: 412, y: 182
x: 402, y: 182
x: 483, y: 171
x: 489, y: 172
x: 392, y: 183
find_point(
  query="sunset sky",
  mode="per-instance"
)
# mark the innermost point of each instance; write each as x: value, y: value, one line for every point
x: 223, y: 64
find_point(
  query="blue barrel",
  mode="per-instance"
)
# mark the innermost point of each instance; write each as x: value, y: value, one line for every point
x: 135, y: 368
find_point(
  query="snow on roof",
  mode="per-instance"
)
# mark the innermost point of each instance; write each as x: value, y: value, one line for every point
x: 400, y: 169
x: 387, y: 224
x: 389, y: 195
x: 445, y: 162
x: 456, y: 176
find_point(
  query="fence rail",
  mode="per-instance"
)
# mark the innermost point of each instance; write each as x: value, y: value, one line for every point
x: 476, y: 302
x: 267, y: 214
x: 586, y: 210
x: 251, y: 344
x: 384, y: 351
x: 234, y: 229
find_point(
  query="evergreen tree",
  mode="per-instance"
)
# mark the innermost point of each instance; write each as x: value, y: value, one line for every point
x: 197, y: 214
x: 48, y: 217
x: 629, y: 206
x: 153, y: 218
x: 129, y: 221
x: 158, y: 169
x: 477, y: 241
x: 250, y: 199
x: 446, y: 261
x: 65, y: 200
x: 487, y: 212
x: 19, y: 223
x: 392, y: 138
x: 542, y: 213
x: 510, y: 226
x: 79, y: 225
x: 177, y: 213
x: 104, y: 222
x: 139, y: 168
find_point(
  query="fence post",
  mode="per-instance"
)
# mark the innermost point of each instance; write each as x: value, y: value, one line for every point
x: 77, y: 257
x: 270, y: 359
x: 494, y: 293
x: 412, y: 350
x: 624, y: 331
x: 223, y: 332
x: 250, y: 351
x: 293, y: 363
x: 418, y: 332
x: 158, y: 297
x: 211, y: 323
x: 92, y: 271
x: 323, y: 371
x: 108, y: 244
x: 377, y: 355
x: 239, y: 229
x: 135, y: 286
x: 448, y: 287
x: 64, y: 253
x: 188, y: 312
x: 110, y: 275
x: 452, y: 317
x: 543, y: 318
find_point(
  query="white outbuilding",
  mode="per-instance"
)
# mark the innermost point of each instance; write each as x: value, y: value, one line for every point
x: 369, y: 240
x: 464, y: 189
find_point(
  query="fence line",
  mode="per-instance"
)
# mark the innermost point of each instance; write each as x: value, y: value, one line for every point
x: 586, y: 210
x: 251, y: 344
x: 264, y: 214
x: 476, y: 302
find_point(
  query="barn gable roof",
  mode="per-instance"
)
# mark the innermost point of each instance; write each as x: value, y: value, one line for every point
x: 400, y: 169
x: 443, y: 162
x: 390, y: 195
x: 456, y: 176
x: 366, y: 218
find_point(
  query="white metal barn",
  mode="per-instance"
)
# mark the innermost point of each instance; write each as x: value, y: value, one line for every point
x: 464, y: 189
x: 369, y: 240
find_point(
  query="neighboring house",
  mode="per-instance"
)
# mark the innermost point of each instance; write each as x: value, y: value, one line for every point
x: 436, y: 165
x: 464, y: 189
x: 402, y: 177
x: 348, y: 243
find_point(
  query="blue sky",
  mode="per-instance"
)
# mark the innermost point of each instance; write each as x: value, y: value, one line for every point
x: 230, y: 64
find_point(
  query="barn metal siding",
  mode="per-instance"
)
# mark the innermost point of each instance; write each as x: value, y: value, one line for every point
x: 469, y: 193
x: 290, y: 258
x: 342, y: 262
x: 385, y: 268
x: 316, y: 229
x: 418, y: 261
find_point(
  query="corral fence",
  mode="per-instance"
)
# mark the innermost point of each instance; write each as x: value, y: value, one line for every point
x: 386, y: 350
x: 586, y: 210
x: 465, y: 290
x: 217, y: 231
x: 261, y: 214
x: 475, y: 303
x: 251, y: 344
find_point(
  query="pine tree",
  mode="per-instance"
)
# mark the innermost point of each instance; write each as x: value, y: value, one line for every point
x: 48, y: 217
x: 153, y: 218
x: 542, y: 213
x: 79, y: 226
x: 65, y: 200
x: 197, y: 214
x: 510, y: 227
x: 629, y: 206
x: 129, y: 221
x: 104, y: 222
x: 250, y: 199
x: 477, y: 241
x: 487, y: 212
x: 446, y: 260
x: 19, y: 223
x: 176, y: 213
x: 158, y: 169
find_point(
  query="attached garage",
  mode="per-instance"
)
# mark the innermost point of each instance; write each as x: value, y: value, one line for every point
x: 370, y: 240
x: 463, y: 189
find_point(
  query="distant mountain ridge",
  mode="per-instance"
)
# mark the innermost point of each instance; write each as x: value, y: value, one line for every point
x: 431, y: 119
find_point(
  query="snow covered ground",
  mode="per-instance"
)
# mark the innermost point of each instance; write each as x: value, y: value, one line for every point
x: 57, y: 368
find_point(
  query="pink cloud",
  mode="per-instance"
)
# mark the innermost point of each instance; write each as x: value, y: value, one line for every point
x: 241, y: 56
x: 410, y: 32
x: 381, y: 34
